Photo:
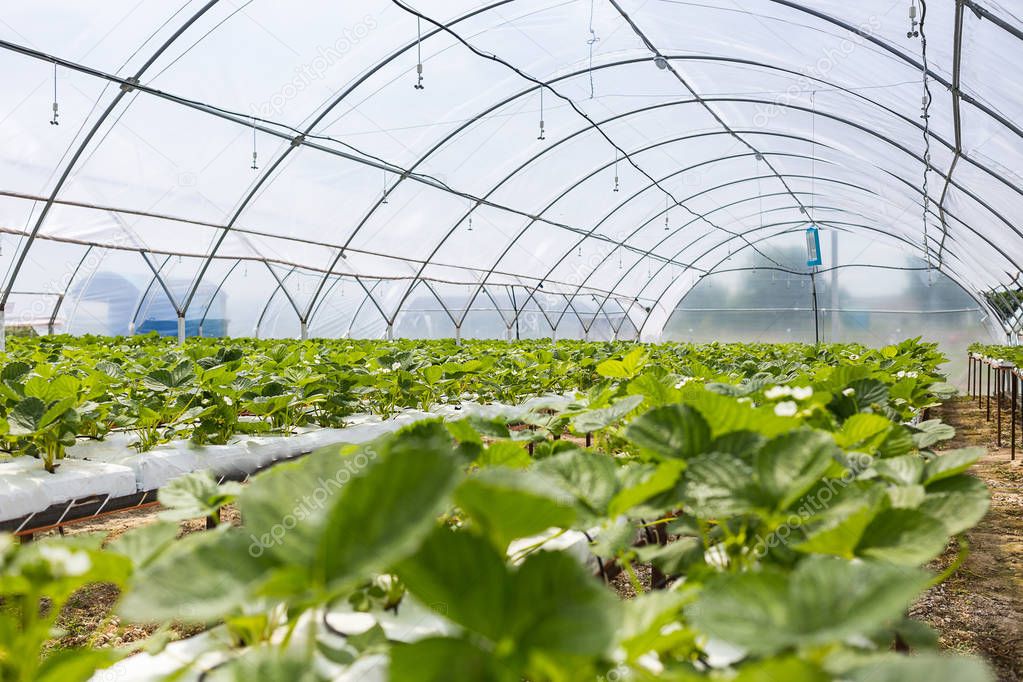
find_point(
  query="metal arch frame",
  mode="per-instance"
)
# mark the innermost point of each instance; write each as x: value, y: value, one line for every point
x: 884, y: 139
x: 822, y: 16
x: 50, y: 326
x: 265, y: 176
x: 844, y: 227
x: 339, y: 279
x: 676, y: 255
x: 86, y: 141
x: 912, y: 245
x: 690, y: 244
x: 838, y: 225
x: 968, y: 227
x: 590, y: 175
x: 216, y: 292
x: 156, y: 279
x: 327, y: 149
x: 522, y: 93
x: 436, y: 297
x: 702, y: 101
x: 902, y: 239
x: 269, y: 301
x: 653, y: 107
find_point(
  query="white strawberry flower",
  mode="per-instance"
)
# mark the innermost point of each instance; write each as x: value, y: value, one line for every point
x: 64, y: 562
x: 802, y: 393
x: 776, y: 392
x: 786, y: 409
x: 849, y: 391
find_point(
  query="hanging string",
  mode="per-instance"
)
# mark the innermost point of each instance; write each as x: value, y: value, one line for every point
x: 471, y: 208
x: 580, y: 250
x: 419, y: 55
x: 255, y: 154
x: 541, y: 136
x: 619, y: 258
x: 383, y: 199
x: 56, y: 114
x: 667, y: 212
x: 616, y: 171
x: 926, y: 116
x: 591, y: 42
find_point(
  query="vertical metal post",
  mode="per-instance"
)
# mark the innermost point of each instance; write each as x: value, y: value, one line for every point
x: 181, y: 329
x: 303, y: 330
x: 458, y: 336
x: 978, y: 373
x: 816, y: 313
x: 390, y: 331
x: 969, y: 373
x: 1012, y: 417
x: 3, y: 330
x: 999, y: 375
x: 989, y: 392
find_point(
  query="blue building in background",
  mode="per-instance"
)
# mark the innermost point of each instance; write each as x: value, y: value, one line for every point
x: 110, y: 303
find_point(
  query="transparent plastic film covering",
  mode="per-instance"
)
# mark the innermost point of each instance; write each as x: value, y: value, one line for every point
x: 510, y: 168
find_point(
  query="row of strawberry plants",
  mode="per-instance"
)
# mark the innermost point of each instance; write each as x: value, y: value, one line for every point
x: 56, y: 390
x: 786, y: 517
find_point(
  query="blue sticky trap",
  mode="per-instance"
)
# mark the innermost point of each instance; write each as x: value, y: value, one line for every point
x: 813, y: 247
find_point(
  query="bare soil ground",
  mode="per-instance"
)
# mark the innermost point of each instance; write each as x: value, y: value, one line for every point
x: 980, y: 608
x: 88, y: 618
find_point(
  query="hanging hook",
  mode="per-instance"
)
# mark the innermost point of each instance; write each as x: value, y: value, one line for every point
x: 541, y: 136
x: 56, y: 107
x: 255, y: 154
x: 667, y: 210
x: 913, y: 32
x: 616, y: 172
x: 471, y: 208
x: 419, y: 55
x: 383, y: 199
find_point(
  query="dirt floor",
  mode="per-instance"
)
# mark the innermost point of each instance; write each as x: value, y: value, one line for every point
x: 980, y: 608
x: 87, y: 618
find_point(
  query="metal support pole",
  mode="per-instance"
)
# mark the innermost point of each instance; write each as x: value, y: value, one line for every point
x: 303, y: 330
x: 999, y: 375
x: 1012, y: 417
x: 3, y: 330
x: 390, y: 331
x: 181, y: 329
x: 816, y: 313
x: 969, y: 373
x: 989, y: 392
x: 980, y: 378
x: 458, y: 336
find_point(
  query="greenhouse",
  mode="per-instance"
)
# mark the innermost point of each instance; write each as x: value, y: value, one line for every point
x: 511, y: 340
